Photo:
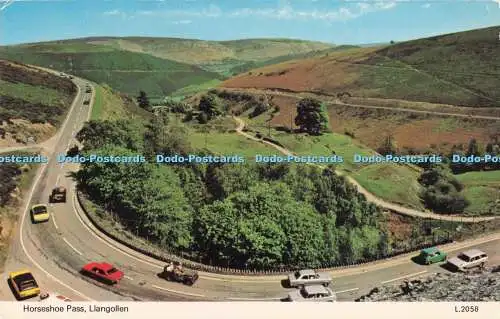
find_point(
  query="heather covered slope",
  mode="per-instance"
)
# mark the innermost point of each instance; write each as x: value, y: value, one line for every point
x: 458, y: 69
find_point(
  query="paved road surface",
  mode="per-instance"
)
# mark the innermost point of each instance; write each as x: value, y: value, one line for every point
x: 56, y: 250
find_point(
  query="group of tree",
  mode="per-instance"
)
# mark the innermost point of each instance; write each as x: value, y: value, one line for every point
x: 477, y: 150
x: 441, y: 190
x: 245, y: 215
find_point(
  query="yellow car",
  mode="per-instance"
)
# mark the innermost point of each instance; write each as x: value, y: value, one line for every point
x: 24, y: 284
x: 39, y: 213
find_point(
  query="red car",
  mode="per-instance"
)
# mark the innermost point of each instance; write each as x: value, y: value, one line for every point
x: 102, y: 271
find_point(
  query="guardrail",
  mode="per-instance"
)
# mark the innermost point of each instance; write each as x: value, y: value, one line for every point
x: 140, y: 245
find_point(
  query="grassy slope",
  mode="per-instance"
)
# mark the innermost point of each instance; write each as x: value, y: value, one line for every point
x: 465, y: 66
x: 483, y: 190
x: 36, y: 101
x: 125, y: 71
x: 201, y: 52
x: 109, y: 105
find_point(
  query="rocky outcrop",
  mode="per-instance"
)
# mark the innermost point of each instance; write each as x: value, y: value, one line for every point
x: 480, y: 285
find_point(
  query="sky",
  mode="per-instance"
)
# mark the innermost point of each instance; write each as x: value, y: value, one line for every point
x: 332, y: 21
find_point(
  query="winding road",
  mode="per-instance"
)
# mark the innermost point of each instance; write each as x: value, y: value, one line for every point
x: 56, y: 250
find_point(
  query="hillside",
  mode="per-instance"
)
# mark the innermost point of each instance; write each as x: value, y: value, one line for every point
x: 125, y: 71
x: 33, y: 103
x: 200, y: 52
x: 159, y: 66
x: 458, y: 69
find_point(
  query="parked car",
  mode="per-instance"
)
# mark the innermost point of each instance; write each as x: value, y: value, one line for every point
x: 309, y: 277
x: 40, y: 213
x: 24, y: 284
x: 431, y: 255
x: 312, y: 293
x: 467, y: 260
x: 104, y: 272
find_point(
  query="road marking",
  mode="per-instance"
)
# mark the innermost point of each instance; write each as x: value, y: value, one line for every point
x: 58, y: 177
x: 73, y: 247
x: 127, y: 277
x: 403, y: 277
x: 53, y: 217
x: 21, y: 232
x: 177, y: 292
x: 104, y: 241
x: 255, y: 299
x: 348, y: 290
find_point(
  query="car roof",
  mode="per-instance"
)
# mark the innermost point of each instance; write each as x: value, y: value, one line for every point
x: 315, y: 289
x: 430, y: 250
x: 307, y: 272
x: 17, y: 273
x: 39, y: 206
x: 473, y: 252
x: 105, y: 266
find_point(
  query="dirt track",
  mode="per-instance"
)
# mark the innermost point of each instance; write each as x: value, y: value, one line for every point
x: 369, y: 196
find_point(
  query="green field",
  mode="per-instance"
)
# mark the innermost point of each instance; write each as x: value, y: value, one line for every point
x: 482, y: 189
x: 193, y: 89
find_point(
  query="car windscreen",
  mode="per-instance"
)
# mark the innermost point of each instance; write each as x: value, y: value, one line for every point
x: 112, y: 270
x: 464, y: 257
x: 25, y: 282
x: 39, y: 210
x: 297, y: 274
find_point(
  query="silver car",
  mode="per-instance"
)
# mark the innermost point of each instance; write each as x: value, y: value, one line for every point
x: 315, y: 293
x: 468, y: 259
x: 309, y: 277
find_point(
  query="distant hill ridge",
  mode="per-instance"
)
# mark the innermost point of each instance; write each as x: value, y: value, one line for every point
x: 459, y: 69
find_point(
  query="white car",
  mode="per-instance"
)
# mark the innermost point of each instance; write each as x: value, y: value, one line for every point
x: 312, y: 293
x: 468, y: 259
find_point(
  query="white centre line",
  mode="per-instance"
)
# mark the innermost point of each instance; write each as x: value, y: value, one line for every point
x: 57, y: 180
x: 177, y: 292
x: 348, y: 290
x: 67, y: 242
x: 54, y: 220
x: 403, y: 277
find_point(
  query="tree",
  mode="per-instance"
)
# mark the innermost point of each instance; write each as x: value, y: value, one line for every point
x: 441, y: 191
x: 209, y: 105
x: 311, y: 117
x: 143, y: 101
x: 388, y: 146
